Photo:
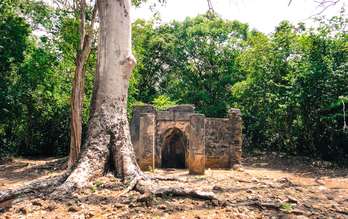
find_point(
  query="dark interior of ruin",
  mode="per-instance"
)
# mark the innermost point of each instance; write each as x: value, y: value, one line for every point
x: 173, y: 149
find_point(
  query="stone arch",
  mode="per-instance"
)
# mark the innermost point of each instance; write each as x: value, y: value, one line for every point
x: 174, y: 149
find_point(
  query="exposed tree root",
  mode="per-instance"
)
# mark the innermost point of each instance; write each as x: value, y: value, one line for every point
x: 132, y: 184
x: 165, y: 178
x: 165, y: 190
x: 144, y: 186
x: 39, y: 185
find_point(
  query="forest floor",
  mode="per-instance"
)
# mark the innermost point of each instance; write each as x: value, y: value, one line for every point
x: 271, y: 185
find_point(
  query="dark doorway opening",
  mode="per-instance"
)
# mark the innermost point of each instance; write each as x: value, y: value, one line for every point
x: 173, y: 149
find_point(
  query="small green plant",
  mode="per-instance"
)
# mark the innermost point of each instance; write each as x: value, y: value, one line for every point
x: 22, y: 195
x: 151, y: 196
x: 158, y: 201
x: 310, y: 188
x: 258, y: 152
x: 128, y: 183
x: 130, y: 196
x: 150, y: 168
x: 157, y: 217
x: 199, y: 177
x: 170, y: 194
x: 337, y: 188
x: 94, y: 189
x: 79, y: 203
x: 287, y: 207
x: 29, y: 187
x: 51, y: 175
x: 112, y: 180
x: 98, y: 183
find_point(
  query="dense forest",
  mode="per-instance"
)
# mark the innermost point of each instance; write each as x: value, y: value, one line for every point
x: 291, y: 85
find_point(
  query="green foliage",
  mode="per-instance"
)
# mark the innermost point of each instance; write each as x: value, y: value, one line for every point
x: 163, y: 102
x: 287, y: 207
x: 37, y: 79
x: 291, y: 98
x: 151, y: 169
x: 14, y: 41
x: 190, y: 62
x: 98, y: 183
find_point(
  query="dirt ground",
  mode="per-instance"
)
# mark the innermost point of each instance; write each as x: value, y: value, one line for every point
x: 270, y: 185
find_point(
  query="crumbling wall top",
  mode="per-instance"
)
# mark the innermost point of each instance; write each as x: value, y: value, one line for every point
x: 181, y: 108
x: 233, y: 113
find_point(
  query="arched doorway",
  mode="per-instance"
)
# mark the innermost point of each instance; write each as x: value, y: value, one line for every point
x: 174, y: 147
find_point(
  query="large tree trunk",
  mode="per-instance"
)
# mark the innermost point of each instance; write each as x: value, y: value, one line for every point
x: 108, y: 132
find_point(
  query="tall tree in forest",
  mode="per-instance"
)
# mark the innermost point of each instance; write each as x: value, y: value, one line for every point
x: 83, y: 49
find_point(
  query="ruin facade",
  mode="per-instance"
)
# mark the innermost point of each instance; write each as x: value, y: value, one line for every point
x: 177, y: 137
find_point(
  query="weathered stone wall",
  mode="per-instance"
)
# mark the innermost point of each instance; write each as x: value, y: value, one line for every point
x: 223, y: 140
x: 197, y: 145
x: 147, y: 139
x: 135, y: 123
x: 235, y: 116
x: 218, y: 140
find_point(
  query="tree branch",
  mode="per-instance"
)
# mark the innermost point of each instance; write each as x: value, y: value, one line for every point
x: 87, y: 46
x: 210, y: 5
x: 90, y: 72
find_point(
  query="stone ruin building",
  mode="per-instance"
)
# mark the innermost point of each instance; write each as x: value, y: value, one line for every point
x: 178, y: 138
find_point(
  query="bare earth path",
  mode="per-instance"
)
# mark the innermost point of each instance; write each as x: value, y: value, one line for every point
x: 270, y: 186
